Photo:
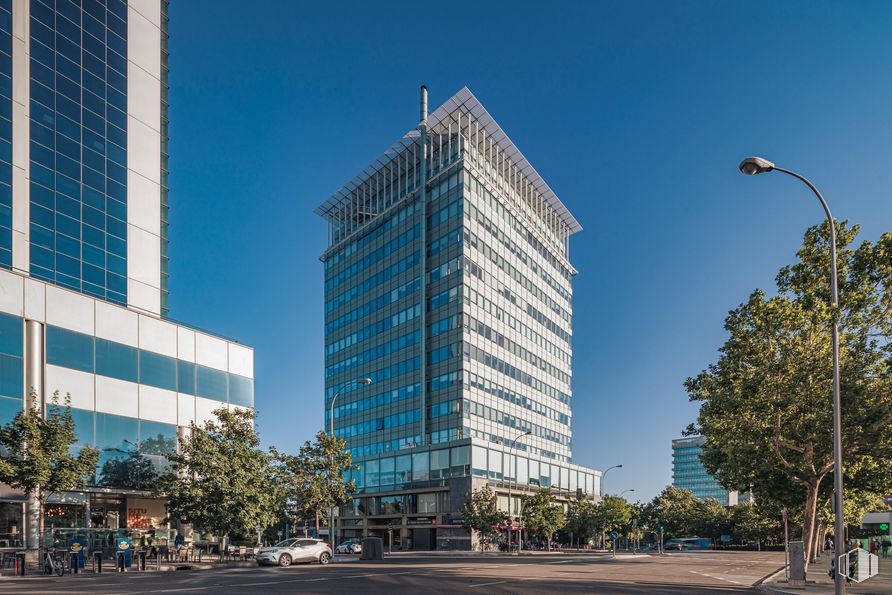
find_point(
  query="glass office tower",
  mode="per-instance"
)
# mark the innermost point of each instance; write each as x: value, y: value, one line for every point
x: 83, y: 255
x: 688, y: 473
x: 448, y: 284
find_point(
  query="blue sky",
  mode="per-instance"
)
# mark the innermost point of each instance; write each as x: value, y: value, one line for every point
x: 636, y: 113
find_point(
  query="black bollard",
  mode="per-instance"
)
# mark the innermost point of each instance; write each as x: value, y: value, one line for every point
x: 141, y: 560
x: 97, y: 562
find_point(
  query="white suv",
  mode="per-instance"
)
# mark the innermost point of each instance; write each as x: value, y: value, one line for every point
x: 295, y: 550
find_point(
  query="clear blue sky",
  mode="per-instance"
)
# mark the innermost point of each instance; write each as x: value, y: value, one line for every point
x: 636, y: 113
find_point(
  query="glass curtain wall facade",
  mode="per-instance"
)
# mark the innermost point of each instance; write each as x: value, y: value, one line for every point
x: 78, y: 146
x: 84, y: 254
x: 688, y: 473
x: 456, y: 303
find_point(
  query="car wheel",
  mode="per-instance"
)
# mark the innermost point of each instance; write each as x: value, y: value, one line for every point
x: 284, y: 560
x: 324, y: 558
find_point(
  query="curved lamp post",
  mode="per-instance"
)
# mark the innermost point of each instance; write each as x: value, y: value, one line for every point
x: 624, y: 491
x: 511, y: 481
x: 603, y: 475
x: 331, y: 535
x: 757, y: 165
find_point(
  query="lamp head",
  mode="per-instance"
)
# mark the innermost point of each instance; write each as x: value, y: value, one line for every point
x: 755, y: 165
x: 620, y: 466
x: 365, y: 381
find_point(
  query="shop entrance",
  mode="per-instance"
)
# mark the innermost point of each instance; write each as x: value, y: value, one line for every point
x: 108, y: 512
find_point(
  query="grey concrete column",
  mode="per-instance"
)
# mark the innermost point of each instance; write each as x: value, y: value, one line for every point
x: 34, y: 399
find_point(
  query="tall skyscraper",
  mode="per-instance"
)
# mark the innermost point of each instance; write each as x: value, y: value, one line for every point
x: 83, y: 254
x: 448, y: 284
x: 688, y: 473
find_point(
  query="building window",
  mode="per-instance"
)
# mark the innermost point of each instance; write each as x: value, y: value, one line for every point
x: 69, y: 349
x: 116, y: 360
x: 211, y: 383
x: 157, y: 370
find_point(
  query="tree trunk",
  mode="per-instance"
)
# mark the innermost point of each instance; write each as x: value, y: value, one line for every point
x: 809, y: 518
x: 317, y: 523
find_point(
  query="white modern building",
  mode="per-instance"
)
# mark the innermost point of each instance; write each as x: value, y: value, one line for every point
x: 83, y: 255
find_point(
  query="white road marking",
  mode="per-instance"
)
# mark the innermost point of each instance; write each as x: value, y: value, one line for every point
x: 721, y: 578
x: 487, y: 584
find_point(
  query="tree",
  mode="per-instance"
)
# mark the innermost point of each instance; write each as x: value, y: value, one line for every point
x: 221, y: 481
x: 711, y: 519
x: 315, y: 479
x: 581, y: 519
x: 301, y: 493
x: 751, y: 523
x: 542, y: 515
x: 766, y: 404
x: 481, y: 515
x: 673, y: 508
x: 37, y: 454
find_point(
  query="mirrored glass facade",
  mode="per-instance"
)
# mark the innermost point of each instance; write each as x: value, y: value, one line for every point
x: 448, y: 284
x: 688, y: 473
x: 78, y: 146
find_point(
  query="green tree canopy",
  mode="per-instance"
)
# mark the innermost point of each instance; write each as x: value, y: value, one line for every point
x: 37, y: 453
x: 766, y: 404
x: 582, y: 519
x: 481, y: 514
x: 542, y: 515
x: 221, y: 481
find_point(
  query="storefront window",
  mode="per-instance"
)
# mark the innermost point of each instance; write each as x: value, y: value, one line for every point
x: 403, y: 469
x: 11, y: 524
x: 420, y: 466
x: 460, y: 459
x: 478, y: 461
x: 387, y: 467
x: 439, y: 463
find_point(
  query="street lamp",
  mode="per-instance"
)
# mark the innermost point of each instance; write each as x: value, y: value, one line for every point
x: 510, y: 481
x: 756, y: 165
x: 624, y: 491
x: 331, y: 536
x: 603, y: 475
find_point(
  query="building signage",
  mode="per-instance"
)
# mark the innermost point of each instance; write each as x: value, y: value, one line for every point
x: 427, y: 521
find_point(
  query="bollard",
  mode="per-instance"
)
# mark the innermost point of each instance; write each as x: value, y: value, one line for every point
x: 158, y: 560
x: 74, y: 563
x: 141, y: 560
x: 97, y: 562
x: 20, y: 563
x: 120, y: 562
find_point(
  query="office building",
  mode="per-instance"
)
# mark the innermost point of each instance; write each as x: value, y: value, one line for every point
x: 688, y: 473
x: 83, y: 255
x: 448, y: 284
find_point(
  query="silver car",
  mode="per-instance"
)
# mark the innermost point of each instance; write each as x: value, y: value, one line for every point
x: 295, y: 550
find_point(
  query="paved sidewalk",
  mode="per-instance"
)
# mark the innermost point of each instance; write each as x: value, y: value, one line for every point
x: 819, y: 583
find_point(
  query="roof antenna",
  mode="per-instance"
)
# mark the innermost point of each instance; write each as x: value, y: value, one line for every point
x: 423, y: 104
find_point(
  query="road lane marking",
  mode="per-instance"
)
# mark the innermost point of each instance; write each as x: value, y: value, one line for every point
x: 487, y: 584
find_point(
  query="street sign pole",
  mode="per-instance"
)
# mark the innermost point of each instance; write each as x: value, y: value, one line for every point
x: 786, y: 546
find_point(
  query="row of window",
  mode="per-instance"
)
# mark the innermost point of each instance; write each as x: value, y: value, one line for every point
x: 475, y: 409
x: 516, y: 349
x: 5, y: 140
x: 374, y: 257
x: 374, y: 329
x: 373, y: 305
x: 393, y: 445
x: 351, y: 248
x: 512, y: 271
x: 374, y: 401
x: 500, y: 236
x: 480, y: 190
x: 492, y: 388
x: 499, y: 439
x: 11, y: 362
x: 474, y: 353
x: 415, y: 467
x: 387, y: 422
x: 373, y: 353
x: 445, y: 297
x: 95, y: 355
x: 373, y: 282
x: 451, y: 210
x: 501, y: 289
x: 493, y: 309
x: 430, y: 503
x: 503, y: 466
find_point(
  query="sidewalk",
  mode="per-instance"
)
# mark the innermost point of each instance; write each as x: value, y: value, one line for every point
x: 819, y: 583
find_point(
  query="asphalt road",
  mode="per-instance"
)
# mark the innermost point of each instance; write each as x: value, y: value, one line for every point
x: 678, y: 573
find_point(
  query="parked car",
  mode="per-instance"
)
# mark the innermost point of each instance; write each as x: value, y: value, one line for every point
x: 286, y: 552
x: 349, y: 547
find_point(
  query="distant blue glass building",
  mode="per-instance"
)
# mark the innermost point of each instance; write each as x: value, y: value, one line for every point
x: 688, y: 473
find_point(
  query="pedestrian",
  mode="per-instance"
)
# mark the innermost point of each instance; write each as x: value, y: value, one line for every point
x: 874, y: 546
x: 886, y: 545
